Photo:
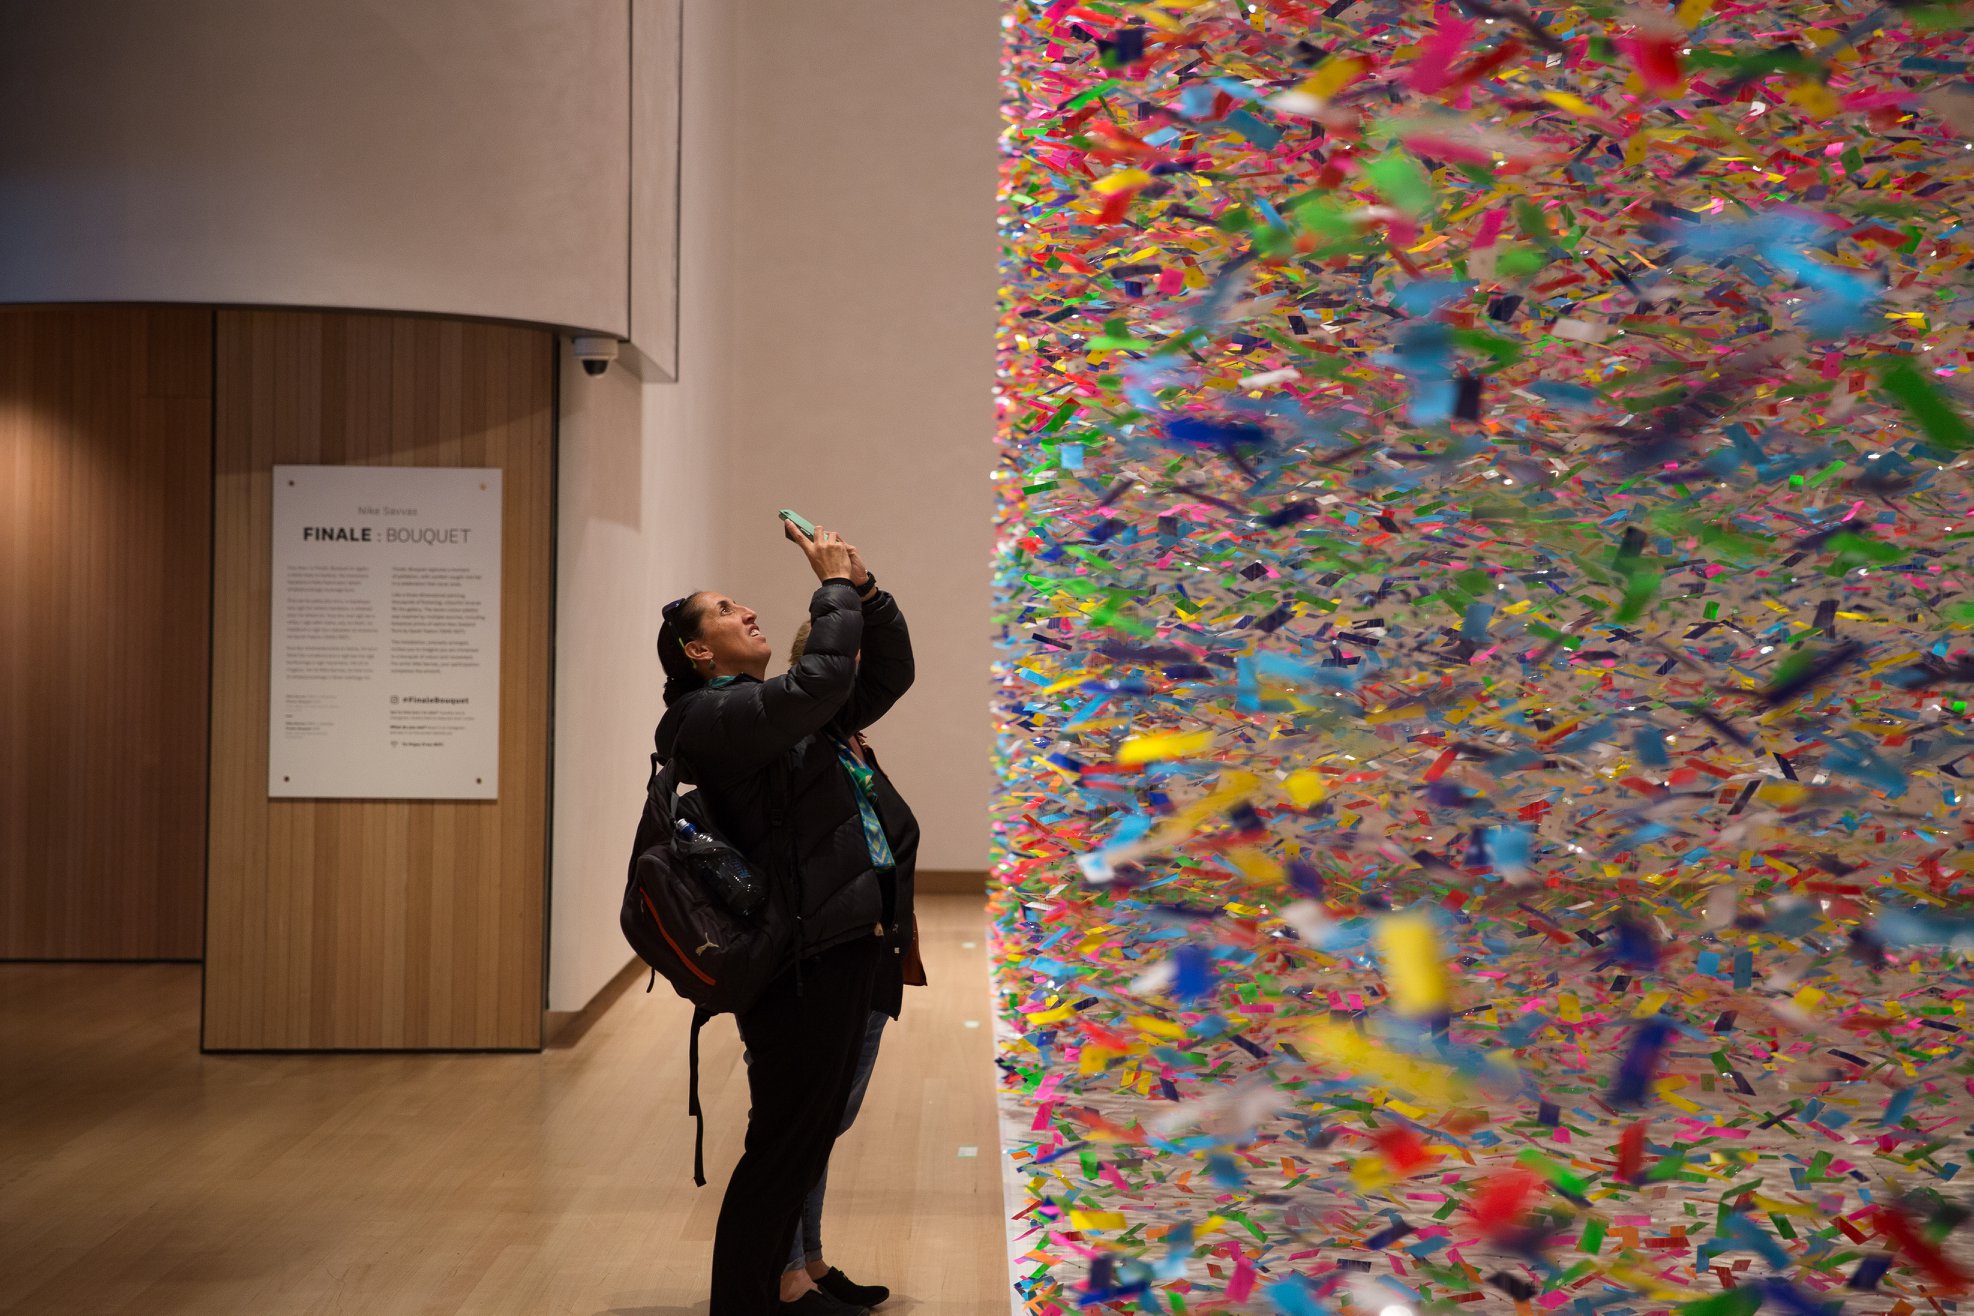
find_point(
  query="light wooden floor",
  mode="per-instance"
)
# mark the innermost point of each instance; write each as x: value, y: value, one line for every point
x: 138, y: 1176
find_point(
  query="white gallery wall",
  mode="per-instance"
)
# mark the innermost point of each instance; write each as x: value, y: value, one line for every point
x: 637, y: 525
x: 863, y: 352
x: 837, y: 308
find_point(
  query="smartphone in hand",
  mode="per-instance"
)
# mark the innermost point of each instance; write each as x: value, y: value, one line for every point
x: 800, y: 522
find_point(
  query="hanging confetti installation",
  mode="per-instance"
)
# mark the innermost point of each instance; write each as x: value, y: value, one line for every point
x: 1485, y: 575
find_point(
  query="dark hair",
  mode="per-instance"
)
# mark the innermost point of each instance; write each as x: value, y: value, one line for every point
x: 682, y: 619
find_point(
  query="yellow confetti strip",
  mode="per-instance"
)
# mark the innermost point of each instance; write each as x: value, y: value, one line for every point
x: 1414, y: 966
x: 1164, y: 745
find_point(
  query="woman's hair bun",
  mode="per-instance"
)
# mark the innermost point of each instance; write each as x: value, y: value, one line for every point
x: 680, y: 627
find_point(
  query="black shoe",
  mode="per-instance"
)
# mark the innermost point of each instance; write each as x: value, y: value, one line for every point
x: 818, y: 1303
x: 837, y: 1285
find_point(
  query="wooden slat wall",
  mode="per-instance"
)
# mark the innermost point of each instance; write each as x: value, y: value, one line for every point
x: 367, y: 924
x: 105, y: 556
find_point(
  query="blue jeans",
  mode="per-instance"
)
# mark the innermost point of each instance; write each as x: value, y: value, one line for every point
x: 807, y: 1245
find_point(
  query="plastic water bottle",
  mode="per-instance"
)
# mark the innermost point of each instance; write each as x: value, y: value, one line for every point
x: 723, y: 871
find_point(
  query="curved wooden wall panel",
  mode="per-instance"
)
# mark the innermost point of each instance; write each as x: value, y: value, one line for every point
x: 105, y: 550
x: 377, y: 924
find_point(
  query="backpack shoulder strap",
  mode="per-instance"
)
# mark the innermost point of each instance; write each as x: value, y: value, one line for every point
x: 700, y: 1015
x: 692, y: 1107
x: 661, y: 791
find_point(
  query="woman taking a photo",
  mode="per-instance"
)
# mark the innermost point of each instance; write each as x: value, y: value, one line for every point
x: 743, y: 740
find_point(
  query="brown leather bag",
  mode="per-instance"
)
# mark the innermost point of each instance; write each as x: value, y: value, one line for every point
x: 914, y: 967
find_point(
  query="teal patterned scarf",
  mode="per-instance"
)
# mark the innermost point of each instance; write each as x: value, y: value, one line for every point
x: 862, y: 778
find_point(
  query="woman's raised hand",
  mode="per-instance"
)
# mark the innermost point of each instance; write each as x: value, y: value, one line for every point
x: 828, y: 555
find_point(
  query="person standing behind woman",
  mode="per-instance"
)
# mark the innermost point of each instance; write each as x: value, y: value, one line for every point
x: 743, y: 740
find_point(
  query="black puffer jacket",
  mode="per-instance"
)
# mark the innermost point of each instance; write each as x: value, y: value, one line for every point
x: 730, y: 739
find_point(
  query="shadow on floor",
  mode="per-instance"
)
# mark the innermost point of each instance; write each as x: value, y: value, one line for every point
x: 897, y: 1304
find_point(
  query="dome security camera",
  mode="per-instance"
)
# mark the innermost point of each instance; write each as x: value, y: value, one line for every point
x: 596, y: 353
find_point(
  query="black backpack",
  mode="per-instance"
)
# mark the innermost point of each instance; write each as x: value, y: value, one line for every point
x: 677, y: 922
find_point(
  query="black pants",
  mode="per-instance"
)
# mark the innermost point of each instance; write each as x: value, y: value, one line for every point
x: 804, y: 1050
